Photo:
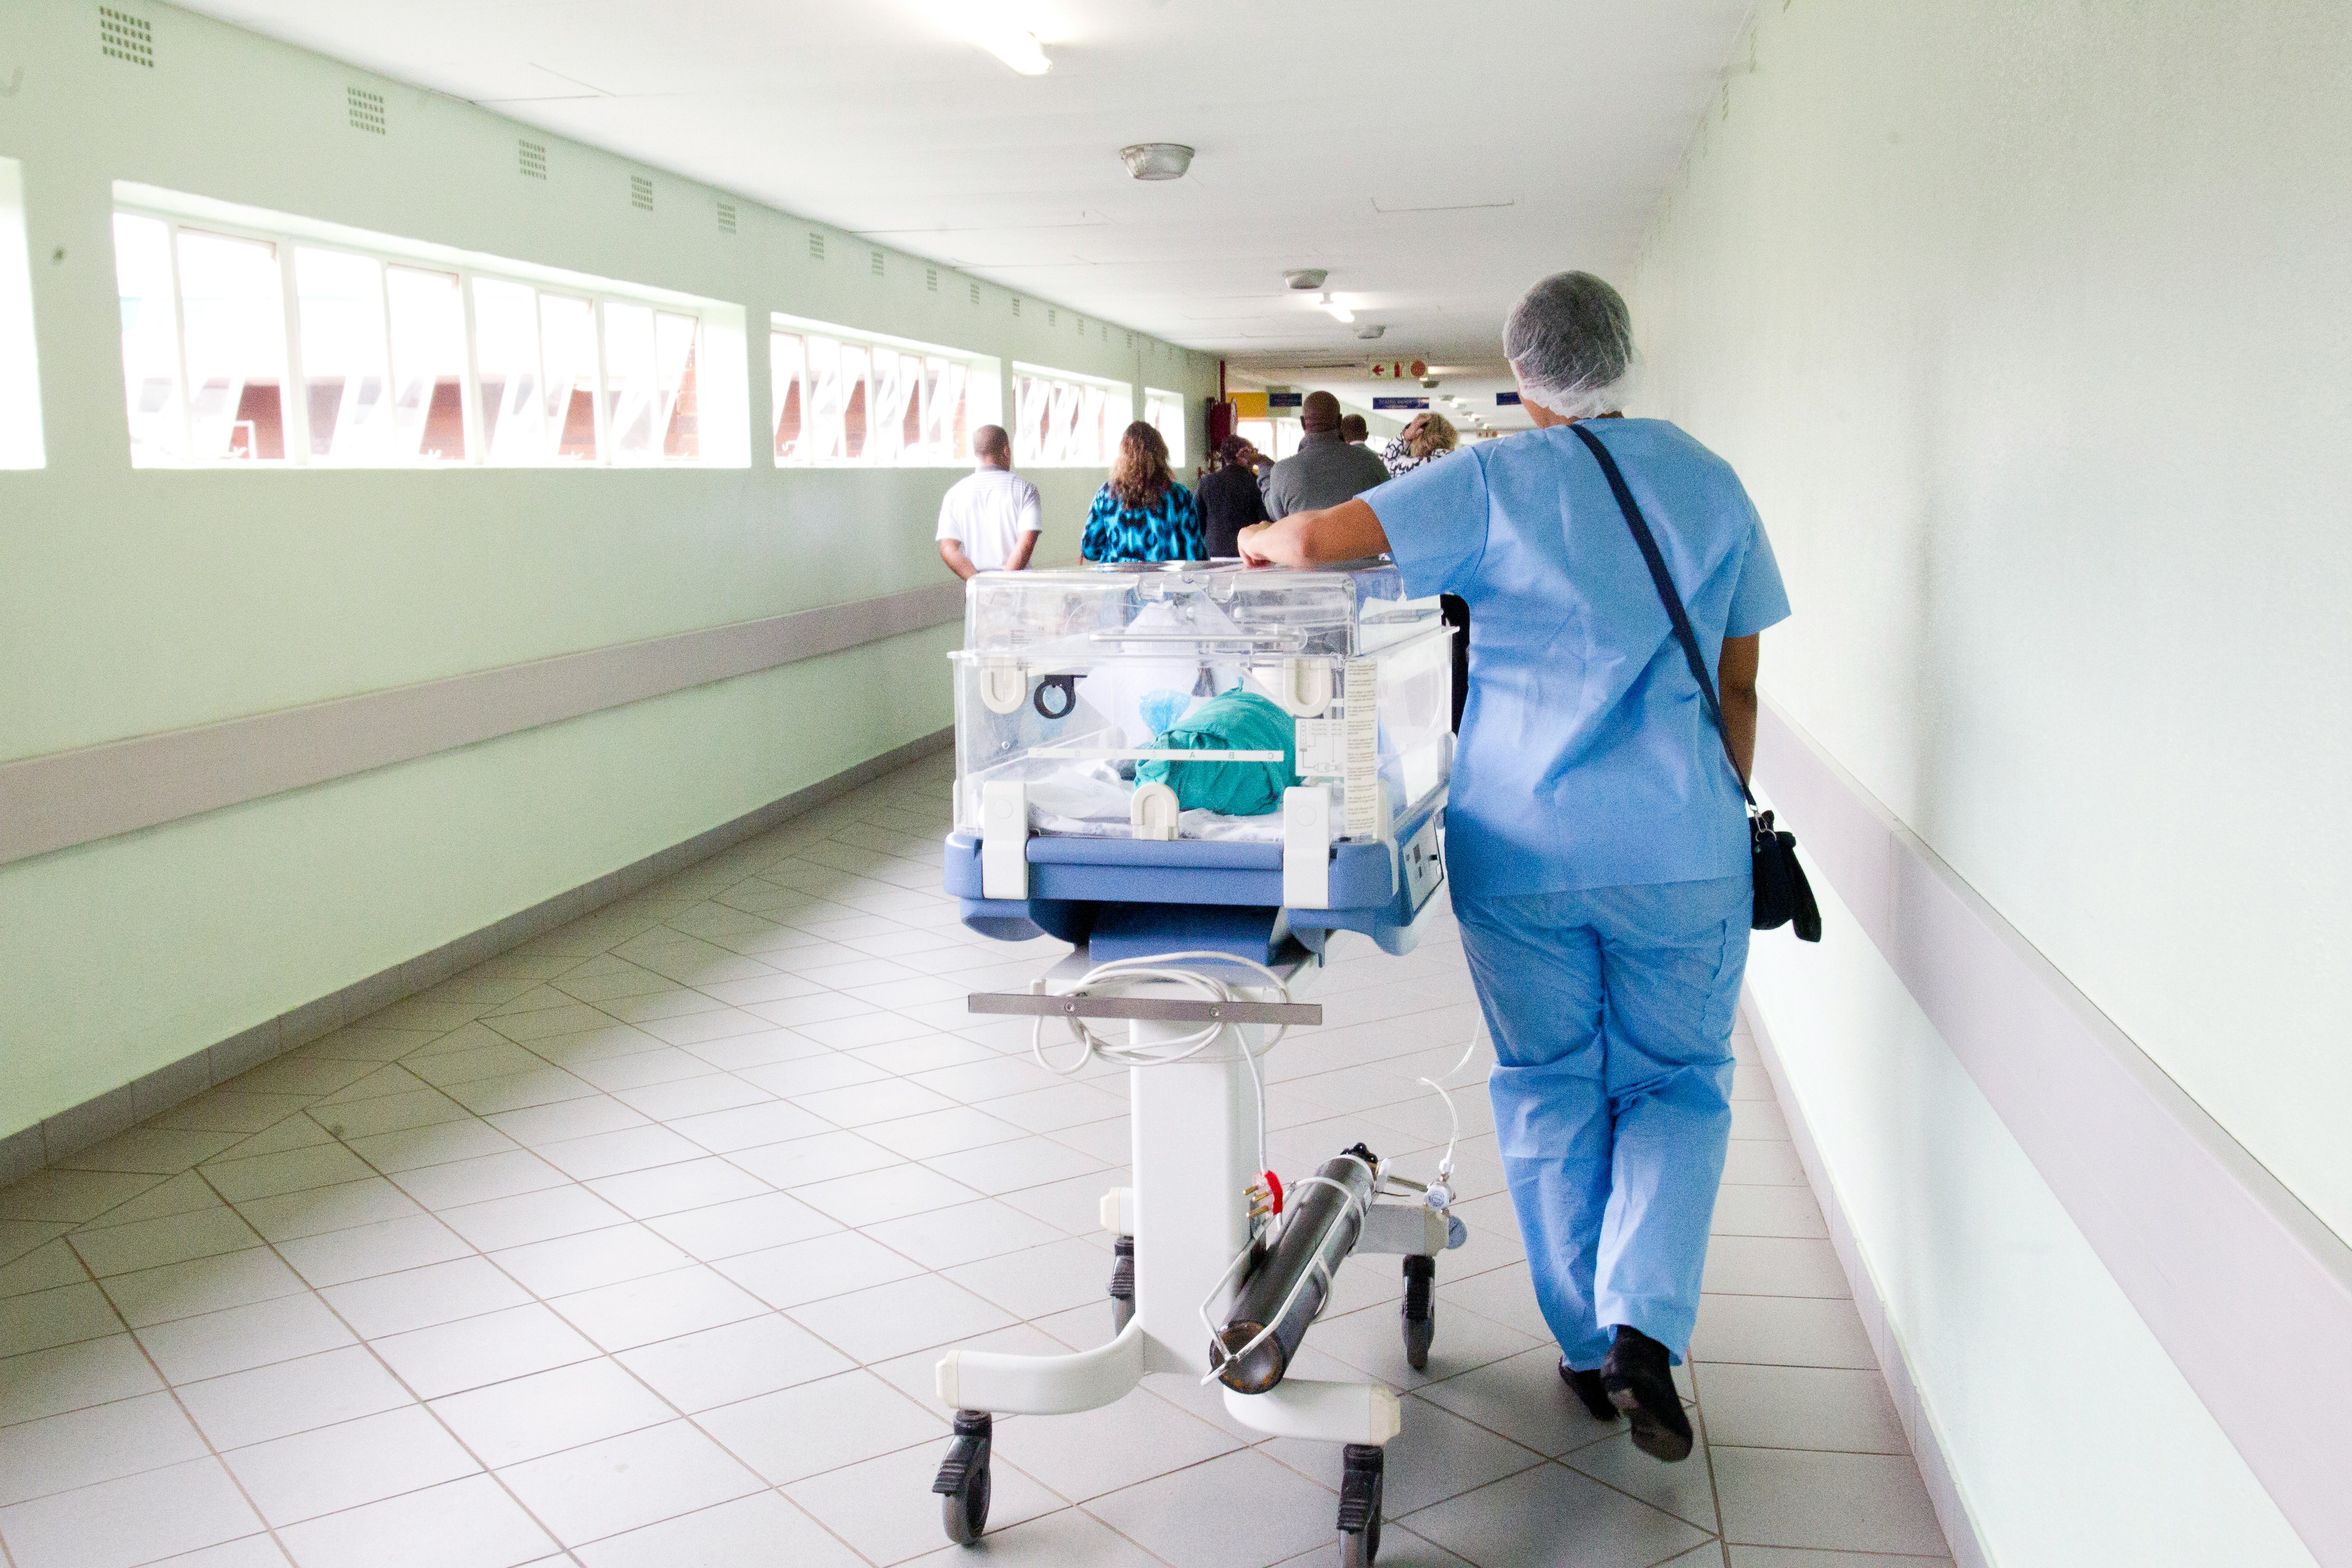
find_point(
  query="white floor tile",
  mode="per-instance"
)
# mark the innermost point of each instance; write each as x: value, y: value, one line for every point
x: 289, y: 1396
x: 1782, y: 1330
x: 420, y: 1298
x: 389, y: 1246
x: 202, y: 1285
x: 886, y: 1194
x: 961, y: 1233
x: 1840, y: 1502
x: 627, y: 1482
x: 174, y: 1239
x: 1800, y: 1407
x: 735, y: 1361
x: 83, y: 1447
x: 471, y: 1353
x: 763, y: 1528
x: 591, y: 1258
x: 532, y: 1216
x: 748, y: 1224
x: 340, y: 1467
x: 216, y: 1343
x: 814, y: 1269
x: 669, y: 1189
x: 133, y: 1521
x: 1773, y: 1265
x: 893, y: 1319
x: 803, y: 1431
x: 657, y: 1307
x: 1524, y: 1518
x: 547, y: 1412
x: 469, y: 1523
x: 749, y: 1126
x: 1037, y: 1281
x: 826, y: 1156
x: 73, y: 1378
x: 1243, y: 1510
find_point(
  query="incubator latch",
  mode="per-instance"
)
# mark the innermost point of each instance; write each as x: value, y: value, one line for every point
x: 1004, y: 840
x: 1151, y: 812
x: 1307, y: 848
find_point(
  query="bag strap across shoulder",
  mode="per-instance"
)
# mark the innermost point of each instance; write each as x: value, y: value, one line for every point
x: 1664, y: 582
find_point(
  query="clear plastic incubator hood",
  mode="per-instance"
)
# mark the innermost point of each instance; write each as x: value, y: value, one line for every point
x: 1249, y: 741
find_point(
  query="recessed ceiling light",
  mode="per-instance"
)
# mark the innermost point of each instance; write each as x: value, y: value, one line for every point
x: 1156, y: 160
x: 1370, y: 329
x: 1305, y: 277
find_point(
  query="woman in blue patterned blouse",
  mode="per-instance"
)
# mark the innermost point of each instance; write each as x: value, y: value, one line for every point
x: 1142, y: 514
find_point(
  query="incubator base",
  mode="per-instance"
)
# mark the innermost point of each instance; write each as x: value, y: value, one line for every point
x: 1182, y: 1226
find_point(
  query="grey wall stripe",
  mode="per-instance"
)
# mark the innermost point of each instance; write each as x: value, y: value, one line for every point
x: 72, y: 797
x: 2211, y: 1250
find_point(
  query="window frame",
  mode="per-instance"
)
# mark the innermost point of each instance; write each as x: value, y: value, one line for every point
x: 22, y: 444
x: 288, y: 234
x: 1156, y: 398
x: 983, y: 394
x: 1115, y: 393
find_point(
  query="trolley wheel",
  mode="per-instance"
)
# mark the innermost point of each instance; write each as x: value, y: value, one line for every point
x: 1122, y: 1283
x: 1359, y: 1505
x: 963, y: 1482
x: 1420, y: 1310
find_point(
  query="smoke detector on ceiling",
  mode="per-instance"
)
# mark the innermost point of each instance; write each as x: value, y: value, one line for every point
x: 1304, y: 279
x: 1156, y: 160
x: 1370, y: 329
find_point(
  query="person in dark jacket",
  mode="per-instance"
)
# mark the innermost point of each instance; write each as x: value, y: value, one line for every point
x: 1231, y: 499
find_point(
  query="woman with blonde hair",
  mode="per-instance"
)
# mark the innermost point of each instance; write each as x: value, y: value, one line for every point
x: 1141, y: 513
x: 1428, y: 436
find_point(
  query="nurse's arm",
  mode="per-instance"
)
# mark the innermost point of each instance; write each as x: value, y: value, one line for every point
x: 1349, y: 532
x: 1735, y: 683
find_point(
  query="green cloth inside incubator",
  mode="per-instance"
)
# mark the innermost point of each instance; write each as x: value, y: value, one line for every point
x: 1237, y: 721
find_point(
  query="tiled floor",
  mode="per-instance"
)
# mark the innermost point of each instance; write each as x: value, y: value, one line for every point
x: 637, y: 1246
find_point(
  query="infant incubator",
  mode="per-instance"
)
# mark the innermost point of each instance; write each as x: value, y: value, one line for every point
x: 1196, y: 775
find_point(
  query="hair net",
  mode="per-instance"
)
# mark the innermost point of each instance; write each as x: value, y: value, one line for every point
x: 1570, y: 341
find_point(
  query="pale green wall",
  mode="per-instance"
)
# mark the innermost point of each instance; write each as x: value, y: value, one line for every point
x: 137, y: 602
x: 2025, y: 324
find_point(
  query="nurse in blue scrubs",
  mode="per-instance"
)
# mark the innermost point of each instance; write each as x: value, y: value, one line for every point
x: 1596, y: 840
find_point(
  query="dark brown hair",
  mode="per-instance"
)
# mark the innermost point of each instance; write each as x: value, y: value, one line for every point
x: 1139, y: 477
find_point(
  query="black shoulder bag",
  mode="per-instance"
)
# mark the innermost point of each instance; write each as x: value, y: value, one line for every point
x: 1782, y: 894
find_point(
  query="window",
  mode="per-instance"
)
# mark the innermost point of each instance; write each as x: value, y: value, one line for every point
x: 841, y: 396
x: 20, y: 382
x: 1064, y: 420
x: 319, y: 346
x: 1165, y: 413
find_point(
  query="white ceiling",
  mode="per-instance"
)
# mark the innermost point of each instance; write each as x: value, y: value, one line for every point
x: 1434, y: 159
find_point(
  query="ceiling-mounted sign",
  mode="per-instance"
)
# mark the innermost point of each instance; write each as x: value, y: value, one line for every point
x: 1398, y: 370
x: 1380, y: 403
x: 1284, y: 399
x: 1506, y: 400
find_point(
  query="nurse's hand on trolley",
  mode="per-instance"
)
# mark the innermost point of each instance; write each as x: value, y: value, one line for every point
x: 1349, y: 532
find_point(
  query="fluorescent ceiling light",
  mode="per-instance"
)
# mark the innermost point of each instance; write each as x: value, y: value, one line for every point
x: 1016, y: 46
x: 1338, y: 313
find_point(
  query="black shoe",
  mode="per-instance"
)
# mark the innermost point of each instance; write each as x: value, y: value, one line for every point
x: 1586, y: 1386
x: 1641, y: 1383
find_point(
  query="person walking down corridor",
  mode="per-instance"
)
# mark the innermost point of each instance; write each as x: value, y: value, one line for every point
x: 1428, y: 436
x: 989, y: 519
x: 1325, y: 470
x: 1141, y: 513
x: 1596, y: 841
x: 1231, y: 499
x: 1355, y: 430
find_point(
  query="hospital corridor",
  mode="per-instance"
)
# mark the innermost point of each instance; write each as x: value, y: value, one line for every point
x: 1078, y: 783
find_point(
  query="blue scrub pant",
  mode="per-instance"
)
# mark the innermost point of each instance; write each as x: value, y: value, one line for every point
x: 1611, y: 1012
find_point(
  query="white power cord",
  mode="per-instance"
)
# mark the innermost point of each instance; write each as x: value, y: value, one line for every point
x: 1120, y: 974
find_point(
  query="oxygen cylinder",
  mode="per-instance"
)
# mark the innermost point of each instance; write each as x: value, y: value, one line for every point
x: 1318, y: 1233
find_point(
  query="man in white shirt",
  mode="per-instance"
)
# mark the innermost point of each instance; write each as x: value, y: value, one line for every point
x: 990, y: 521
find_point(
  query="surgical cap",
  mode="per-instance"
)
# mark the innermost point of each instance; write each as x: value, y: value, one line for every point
x: 1570, y: 341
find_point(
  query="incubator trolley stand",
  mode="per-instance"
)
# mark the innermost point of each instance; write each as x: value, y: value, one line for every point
x: 1191, y: 954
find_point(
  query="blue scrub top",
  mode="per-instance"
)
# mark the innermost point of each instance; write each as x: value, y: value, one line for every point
x: 1587, y: 759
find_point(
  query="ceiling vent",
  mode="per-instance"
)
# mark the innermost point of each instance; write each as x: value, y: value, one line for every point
x: 530, y: 158
x: 1016, y: 304
x: 874, y: 263
x: 126, y: 38
x: 1130, y: 340
x: 1305, y: 277
x: 641, y: 193
x: 816, y: 247
x: 1053, y: 317
x: 975, y: 293
x: 366, y: 110
x: 1370, y: 329
x: 932, y: 280
x: 726, y: 217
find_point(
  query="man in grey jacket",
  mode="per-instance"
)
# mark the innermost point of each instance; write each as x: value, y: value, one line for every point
x: 1326, y: 469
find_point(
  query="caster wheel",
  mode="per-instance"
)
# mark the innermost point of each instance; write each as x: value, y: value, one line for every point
x: 1122, y: 1284
x: 1359, y: 1505
x: 1420, y: 1310
x: 962, y: 1484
